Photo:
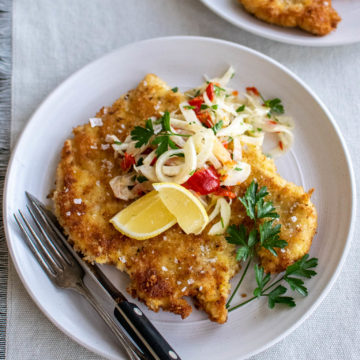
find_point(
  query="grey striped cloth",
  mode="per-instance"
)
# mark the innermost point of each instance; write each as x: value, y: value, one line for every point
x: 5, y: 103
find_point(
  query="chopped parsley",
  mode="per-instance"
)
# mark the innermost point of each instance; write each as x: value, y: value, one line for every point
x: 218, y: 90
x: 141, y: 179
x: 240, y: 108
x: 178, y: 154
x: 117, y: 142
x: 163, y: 142
x: 189, y: 107
x: 175, y: 89
x: 217, y: 127
x: 275, y: 105
x: 237, y: 168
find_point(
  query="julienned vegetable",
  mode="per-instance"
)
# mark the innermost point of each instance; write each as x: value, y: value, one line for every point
x: 200, y: 143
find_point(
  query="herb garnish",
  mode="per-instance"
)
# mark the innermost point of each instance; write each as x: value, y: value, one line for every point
x: 178, y: 155
x: 142, y: 135
x: 117, y: 142
x: 293, y: 274
x: 217, y: 127
x: 240, y: 108
x: 140, y: 162
x: 163, y: 142
x: 218, y: 90
x: 275, y: 105
x: 265, y: 234
x: 141, y: 178
x: 175, y: 89
x: 222, y: 222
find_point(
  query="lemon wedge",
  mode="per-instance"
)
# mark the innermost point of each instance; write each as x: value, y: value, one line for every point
x: 144, y: 218
x: 187, y: 209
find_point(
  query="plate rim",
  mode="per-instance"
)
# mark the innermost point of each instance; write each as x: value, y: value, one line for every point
x: 329, y: 116
x: 275, y: 37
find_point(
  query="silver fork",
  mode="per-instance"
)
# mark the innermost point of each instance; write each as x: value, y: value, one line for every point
x: 65, y: 272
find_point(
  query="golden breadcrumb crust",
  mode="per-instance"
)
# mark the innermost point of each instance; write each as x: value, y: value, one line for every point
x: 164, y: 269
x: 315, y: 16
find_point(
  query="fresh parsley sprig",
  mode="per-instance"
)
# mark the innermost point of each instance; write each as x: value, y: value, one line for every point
x: 163, y: 142
x: 264, y: 234
x: 275, y: 105
x: 269, y: 236
x: 245, y: 241
x: 143, y: 135
x: 255, y: 207
x: 302, y: 268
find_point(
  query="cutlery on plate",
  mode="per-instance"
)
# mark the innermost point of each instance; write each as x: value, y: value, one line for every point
x: 133, y: 320
x: 65, y: 272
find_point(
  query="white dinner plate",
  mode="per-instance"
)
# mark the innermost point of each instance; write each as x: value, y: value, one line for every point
x: 318, y: 159
x: 347, y: 32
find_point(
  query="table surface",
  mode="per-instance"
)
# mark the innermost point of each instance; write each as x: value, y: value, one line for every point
x: 52, y: 39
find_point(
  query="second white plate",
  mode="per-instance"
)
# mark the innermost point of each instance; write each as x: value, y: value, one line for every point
x: 348, y: 30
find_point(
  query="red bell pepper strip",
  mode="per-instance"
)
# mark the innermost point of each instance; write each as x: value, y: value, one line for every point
x: 196, y: 102
x: 127, y: 162
x: 253, y: 90
x: 205, y: 119
x: 210, y: 91
x: 204, y: 181
x: 154, y: 160
x: 225, y: 192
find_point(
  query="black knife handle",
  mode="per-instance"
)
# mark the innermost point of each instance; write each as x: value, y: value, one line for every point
x: 133, y: 335
x: 147, y: 331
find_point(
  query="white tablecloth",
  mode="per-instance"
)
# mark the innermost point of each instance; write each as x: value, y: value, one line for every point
x: 52, y: 39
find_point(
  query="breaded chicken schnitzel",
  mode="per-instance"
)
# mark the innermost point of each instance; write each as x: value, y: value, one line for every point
x: 168, y: 267
x: 315, y: 16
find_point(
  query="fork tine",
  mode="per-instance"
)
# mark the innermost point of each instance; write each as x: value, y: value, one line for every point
x: 38, y: 240
x: 56, y: 243
x: 50, y: 272
x: 51, y: 247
